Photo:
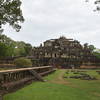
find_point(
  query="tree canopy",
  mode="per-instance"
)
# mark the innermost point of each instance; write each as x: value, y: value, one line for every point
x: 9, y: 47
x: 11, y: 13
x: 97, y: 3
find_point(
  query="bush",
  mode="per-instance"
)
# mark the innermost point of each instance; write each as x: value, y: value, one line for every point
x: 23, y: 62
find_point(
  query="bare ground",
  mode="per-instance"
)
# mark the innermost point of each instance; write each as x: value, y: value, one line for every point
x: 59, y: 79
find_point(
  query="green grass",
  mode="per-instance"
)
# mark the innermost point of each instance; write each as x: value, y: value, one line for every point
x: 76, y: 89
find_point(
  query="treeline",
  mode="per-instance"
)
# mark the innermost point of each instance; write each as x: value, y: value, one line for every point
x: 93, y: 50
x: 9, y: 47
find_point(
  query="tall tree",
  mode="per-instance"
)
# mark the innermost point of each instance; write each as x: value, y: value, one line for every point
x: 11, y: 13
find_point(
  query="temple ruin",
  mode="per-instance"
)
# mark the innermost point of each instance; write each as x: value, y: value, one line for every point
x: 62, y: 52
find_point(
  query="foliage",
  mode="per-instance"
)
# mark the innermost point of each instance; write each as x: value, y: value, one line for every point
x: 9, y: 45
x: 14, y: 48
x: 97, y: 3
x: 3, y: 50
x: 11, y: 13
x: 92, y: 50
x: 92, y: 47
x: 98, y: 6
x: 97, y: 54
x: 23, y: 62
x: 19, y: 49
x: 28, y: 48
x: 24, y: 48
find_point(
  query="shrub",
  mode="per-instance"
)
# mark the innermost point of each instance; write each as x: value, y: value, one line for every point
x: 23, y: 62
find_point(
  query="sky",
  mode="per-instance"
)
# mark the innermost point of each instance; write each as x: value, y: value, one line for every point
x: 50, y: 19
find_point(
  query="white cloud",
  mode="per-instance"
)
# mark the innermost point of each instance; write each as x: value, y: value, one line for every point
x: 47, y: 19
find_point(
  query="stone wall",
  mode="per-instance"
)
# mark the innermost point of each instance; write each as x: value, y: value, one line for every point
x: 15, y: 78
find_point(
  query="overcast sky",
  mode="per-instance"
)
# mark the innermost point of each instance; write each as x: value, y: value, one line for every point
x: 49, y: 19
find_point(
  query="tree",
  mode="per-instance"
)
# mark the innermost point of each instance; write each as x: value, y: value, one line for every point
x: 14, y: 48
x: 85, y: 46
x: 97, y: 3
x: 97, y: 54
x: 28, y: 48
x: 91, y: 48
x: 3, y: 50
x: 22, y: 49
x: 11, y: 13
x: 23, y: 62
x: 6, y: 46
x: 19, y: 48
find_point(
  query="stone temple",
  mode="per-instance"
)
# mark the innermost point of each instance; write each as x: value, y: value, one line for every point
x: 62, y: 52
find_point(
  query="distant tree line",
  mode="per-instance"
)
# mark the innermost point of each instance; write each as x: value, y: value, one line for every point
x: 95, y: 51
x: 9, y: 47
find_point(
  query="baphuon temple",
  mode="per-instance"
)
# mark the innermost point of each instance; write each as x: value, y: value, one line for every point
x: 63, y: 53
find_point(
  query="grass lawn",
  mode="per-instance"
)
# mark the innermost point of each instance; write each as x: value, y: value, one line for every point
x: 59, y: 88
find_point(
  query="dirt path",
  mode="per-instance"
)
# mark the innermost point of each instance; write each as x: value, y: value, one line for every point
x: 59, y: 79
